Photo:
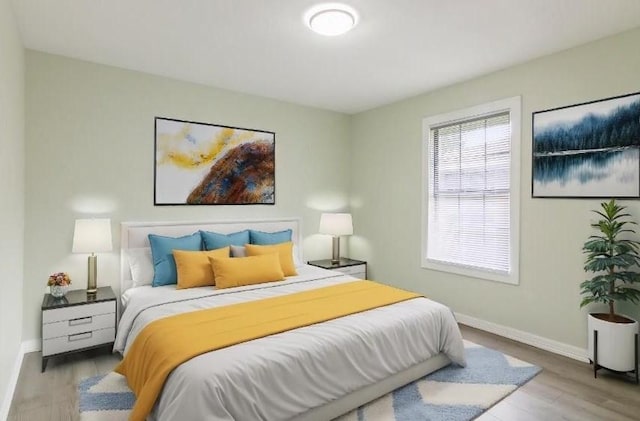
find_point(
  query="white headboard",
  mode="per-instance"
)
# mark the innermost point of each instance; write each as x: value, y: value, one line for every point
x: 135, y: 235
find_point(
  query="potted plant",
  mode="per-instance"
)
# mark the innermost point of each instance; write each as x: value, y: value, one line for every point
x: 612, y: 255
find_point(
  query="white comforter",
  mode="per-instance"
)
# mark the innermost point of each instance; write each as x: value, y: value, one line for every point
x: 284, y: 375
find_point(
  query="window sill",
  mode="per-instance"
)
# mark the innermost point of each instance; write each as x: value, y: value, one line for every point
x: 510, y: 279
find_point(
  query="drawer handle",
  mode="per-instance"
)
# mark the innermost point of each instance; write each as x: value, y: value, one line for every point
x: 81, y: 321
x: 79, y: 336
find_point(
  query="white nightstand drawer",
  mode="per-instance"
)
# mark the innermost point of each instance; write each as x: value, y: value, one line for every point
x: 83, y: 324
x: 353, y: 270
x: 77, y: 341
x: 78, y: 322
x: 78, y: 312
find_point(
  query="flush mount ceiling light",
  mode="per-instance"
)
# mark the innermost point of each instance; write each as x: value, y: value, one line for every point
x: 331, y: 19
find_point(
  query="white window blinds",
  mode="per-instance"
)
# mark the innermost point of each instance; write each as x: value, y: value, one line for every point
x: 469, y: 194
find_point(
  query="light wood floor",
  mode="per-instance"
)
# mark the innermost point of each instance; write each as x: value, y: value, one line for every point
x: 565, y: 390
x: 52, y: 395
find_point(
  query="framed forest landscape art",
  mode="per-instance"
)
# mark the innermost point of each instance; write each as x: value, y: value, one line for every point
x: 589, y: 150
x: 209, y: 164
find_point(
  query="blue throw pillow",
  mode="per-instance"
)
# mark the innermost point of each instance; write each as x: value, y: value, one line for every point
x: 214, y: 240
x: 164, y: 265
x: 268, y: 238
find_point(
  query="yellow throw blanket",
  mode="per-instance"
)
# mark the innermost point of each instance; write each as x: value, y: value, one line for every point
x: 166, y: 343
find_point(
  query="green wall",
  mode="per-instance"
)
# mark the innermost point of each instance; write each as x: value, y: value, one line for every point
x: 90, y: 145
x: 386, y: 192
x: 12, y: 194
x: 89, y: 141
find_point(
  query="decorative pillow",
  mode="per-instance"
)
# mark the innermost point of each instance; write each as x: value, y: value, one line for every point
x: 239, y: 271
x: 140, y: 265
x: 214, y: 240
x: 194, y: 268
x: 238, y: 251
x: 267, y: 238
x: 284, y: 250
x: 162, y: 251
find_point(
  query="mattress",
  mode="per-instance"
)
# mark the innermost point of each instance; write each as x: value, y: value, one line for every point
x: 282, y: 376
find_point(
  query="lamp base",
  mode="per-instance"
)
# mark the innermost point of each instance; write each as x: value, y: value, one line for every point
x: 92, y: 280
x: 335, y: 258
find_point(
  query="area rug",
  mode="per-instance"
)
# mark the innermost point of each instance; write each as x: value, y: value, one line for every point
x: 452, y: 393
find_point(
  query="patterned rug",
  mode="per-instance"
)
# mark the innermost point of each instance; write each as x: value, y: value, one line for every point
x: 451, y: 393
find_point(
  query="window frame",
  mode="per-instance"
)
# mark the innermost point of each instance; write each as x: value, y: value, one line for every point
x: 514, y: 108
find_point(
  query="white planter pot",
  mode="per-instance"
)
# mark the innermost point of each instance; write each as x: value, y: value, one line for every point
x: 616, y: 343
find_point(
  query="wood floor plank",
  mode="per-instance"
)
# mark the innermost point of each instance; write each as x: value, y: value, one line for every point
x: 506, y: 410
x: 52, y: 395
x: 565, y: 390
x: 582, y: 410
x: 534, y: 406
x: 488, y: 417
x: 545, y: 391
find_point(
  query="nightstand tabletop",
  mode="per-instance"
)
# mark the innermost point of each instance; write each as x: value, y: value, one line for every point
x: 78, y: 297
x: 344, y: 262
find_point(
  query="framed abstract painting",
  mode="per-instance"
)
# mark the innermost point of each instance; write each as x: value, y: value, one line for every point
x: 588, y: 150
x: 209, y: 164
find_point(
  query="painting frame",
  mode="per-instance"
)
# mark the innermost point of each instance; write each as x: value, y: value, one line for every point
x: 587, y: 172
x: 250, y: 151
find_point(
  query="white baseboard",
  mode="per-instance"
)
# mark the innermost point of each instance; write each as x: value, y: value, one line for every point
x: 11, y: 386
x: 546, y: 344
x: 26, y: 347
x: 32, y: 345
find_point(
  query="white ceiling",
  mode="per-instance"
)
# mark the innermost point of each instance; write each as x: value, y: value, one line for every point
x: 399, y: 49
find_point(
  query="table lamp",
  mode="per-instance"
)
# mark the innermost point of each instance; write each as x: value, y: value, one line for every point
x: 92, y: 236
x: 336, y: 224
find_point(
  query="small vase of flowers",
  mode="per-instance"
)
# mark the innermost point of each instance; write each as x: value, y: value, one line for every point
x: 59, y: 284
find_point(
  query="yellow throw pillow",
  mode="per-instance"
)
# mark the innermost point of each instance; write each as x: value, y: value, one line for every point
x: 238, y: 271
x: 284, y: 250
x: 194, y: 268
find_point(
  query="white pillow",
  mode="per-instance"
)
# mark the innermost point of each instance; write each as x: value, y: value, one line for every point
x: 238, y: 251
x: 141, y: 266
x: 296, y: 255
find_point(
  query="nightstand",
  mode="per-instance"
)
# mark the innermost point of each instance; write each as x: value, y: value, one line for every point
x: 77, y: 322
x: 355, y: 268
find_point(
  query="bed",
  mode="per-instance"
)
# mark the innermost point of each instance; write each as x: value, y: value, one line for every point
x: 316, y: 372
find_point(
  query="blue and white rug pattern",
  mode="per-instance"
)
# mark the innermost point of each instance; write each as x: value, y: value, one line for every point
x: 452, y: 393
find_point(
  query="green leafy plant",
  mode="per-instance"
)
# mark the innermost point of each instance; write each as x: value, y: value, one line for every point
x: 613, y: 258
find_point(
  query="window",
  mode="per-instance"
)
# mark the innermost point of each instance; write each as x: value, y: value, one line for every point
x: 471, y: 191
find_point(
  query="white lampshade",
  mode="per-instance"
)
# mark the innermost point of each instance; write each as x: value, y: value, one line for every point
x: 92, y: 235
x: 336, y: 224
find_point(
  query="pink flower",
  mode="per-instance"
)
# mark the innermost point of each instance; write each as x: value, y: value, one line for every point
x: 59, y: 278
